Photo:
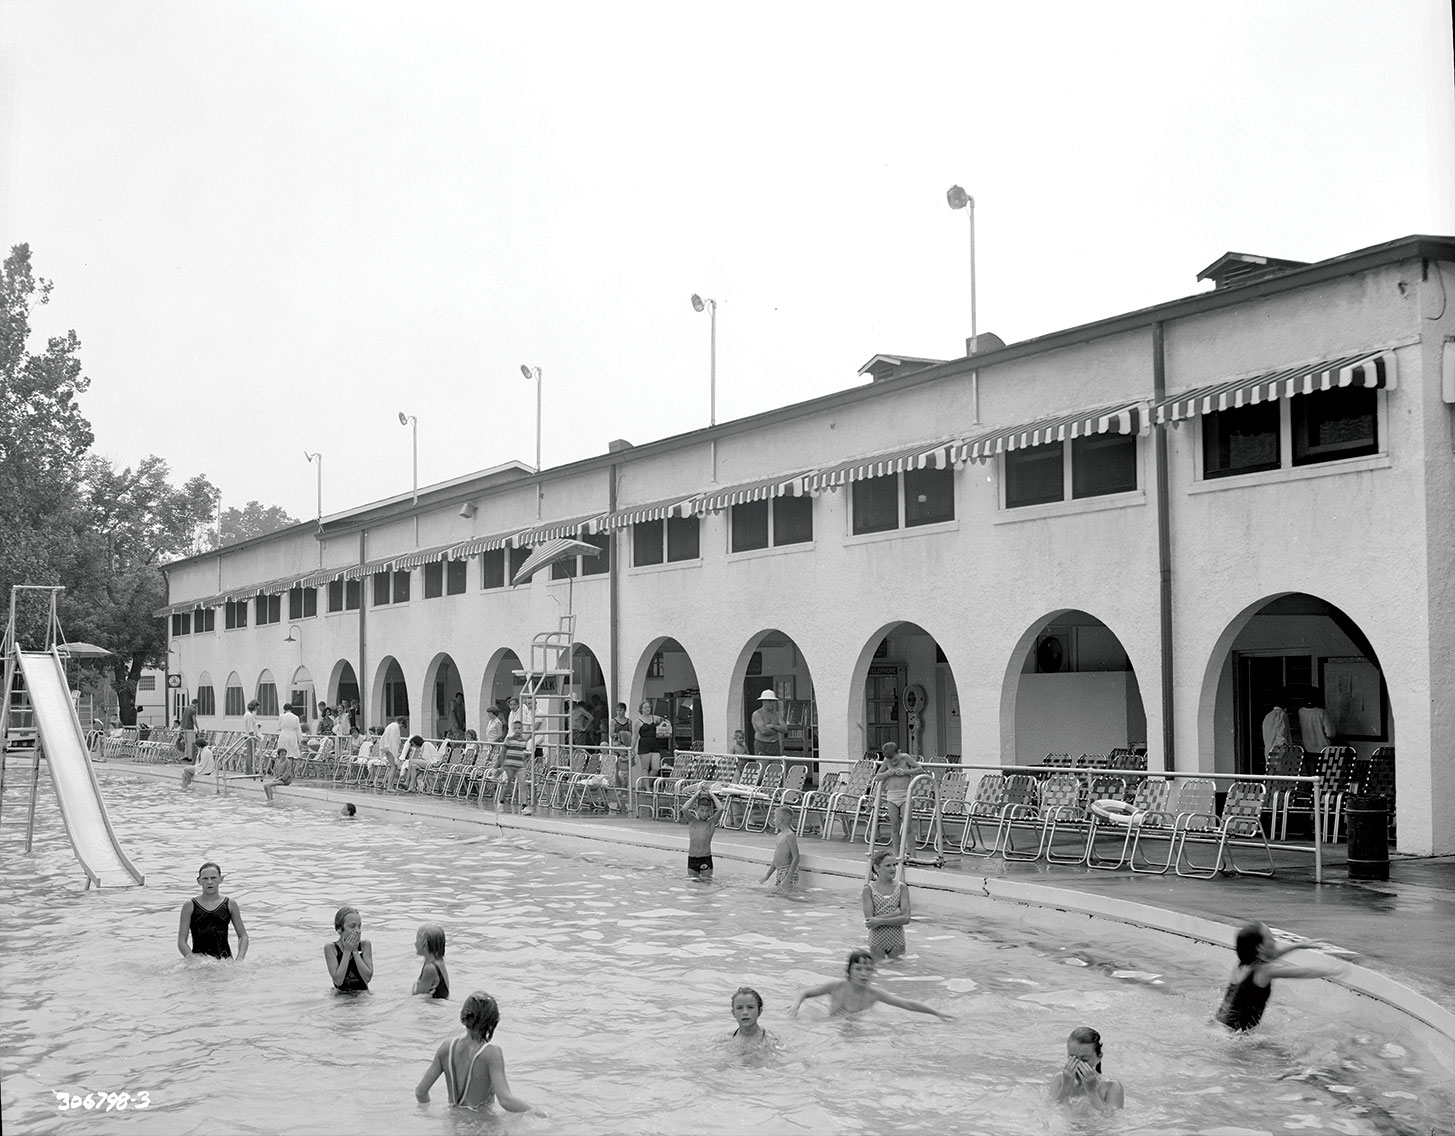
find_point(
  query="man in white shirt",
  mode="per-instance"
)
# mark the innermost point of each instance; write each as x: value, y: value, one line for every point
x: 252, y: 733
x: 389, y: 750
x: 1315, y: 724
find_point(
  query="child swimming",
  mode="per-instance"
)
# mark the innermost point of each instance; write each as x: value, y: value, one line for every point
x: 886, y: 906
x: 460, y: 1060
x: 855, y: 993
x: 701, y: 813
x: 434, y: 979
x: 350, y: 961
x: 206, y: 919
x: 747, y: 1004
x: 1252, y: 979
x: 785, y: 853
x: 1082, y: 1077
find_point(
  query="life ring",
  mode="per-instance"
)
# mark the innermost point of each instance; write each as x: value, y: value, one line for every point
x: 1118, y: 812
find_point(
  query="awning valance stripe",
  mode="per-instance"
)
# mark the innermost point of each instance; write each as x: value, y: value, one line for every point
x: 554, y: 531
x: 319, y: 578
x: 479, y: 544
x: 936, y: 454
x: 1120, y: 418
x: 1370, y: 369
x: 640, y: 514
x: 423, y: 556
x: 745, y: 494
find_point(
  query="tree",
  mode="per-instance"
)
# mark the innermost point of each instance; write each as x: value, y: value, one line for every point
x: 250, y: 521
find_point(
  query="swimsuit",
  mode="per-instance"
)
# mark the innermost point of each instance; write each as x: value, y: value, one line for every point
x: 459, y: 1097
x: 442, y: 988
x: 209, y: 929
x: 1244, y: 1003
x: 353, y: 980
x: 786, y: 877
x: 699, y: 863
x: 886, y: 939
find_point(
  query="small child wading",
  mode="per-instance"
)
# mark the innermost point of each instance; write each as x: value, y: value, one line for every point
x: 785, y: 852
x: 473, y: 1069
x: 434, y: 979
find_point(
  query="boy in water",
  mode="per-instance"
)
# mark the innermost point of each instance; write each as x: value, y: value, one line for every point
x: 785, y: 852
x: 855, y: 994
x: 702, y: 814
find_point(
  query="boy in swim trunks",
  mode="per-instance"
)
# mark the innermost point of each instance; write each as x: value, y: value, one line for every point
x: 896, y: 771
x: 474, y: 1070
x: 785, y: 852
x: 702, y: 814
x: 855, y: 993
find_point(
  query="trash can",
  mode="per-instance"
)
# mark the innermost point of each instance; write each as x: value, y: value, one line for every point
x: 1368, y: 838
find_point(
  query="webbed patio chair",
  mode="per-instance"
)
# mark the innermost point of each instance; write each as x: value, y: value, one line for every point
x: 1241, y: 819
x: 1194, y: 800
x: 1150, y: 800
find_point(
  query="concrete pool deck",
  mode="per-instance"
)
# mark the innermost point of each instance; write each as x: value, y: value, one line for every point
x: 1397, y: 935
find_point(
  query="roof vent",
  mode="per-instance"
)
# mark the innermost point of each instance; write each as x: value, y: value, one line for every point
x: 1243, y: 268
x: 883, y: 367
x: 985, y: 341
x: 616, y: 445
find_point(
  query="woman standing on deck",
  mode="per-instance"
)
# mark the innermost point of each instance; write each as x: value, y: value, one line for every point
x: 290, y: 732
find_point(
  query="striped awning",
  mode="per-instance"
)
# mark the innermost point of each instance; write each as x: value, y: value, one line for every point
x: 936, y: 454
x: 640, y: 514
x: 720, y: 499
x: 1370, y: 369
x: 1120, y: 418
x: 562, y: 548
x: 359, y: 571
x: 554, y: 531
x: 423, y: 556
x: 476, y: 545
x: 319, y: 578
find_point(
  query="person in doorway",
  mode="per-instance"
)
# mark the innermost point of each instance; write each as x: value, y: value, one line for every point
x: 896, y: 771
x: 620, y: 727
x: 1315, y: 724
x: 457, y: 712
x: 649, y: 741
x: 580, y: 724
x: 252, y: 735
x: 769, y: 729
x: 388, y: 749
x: 1275, y: 727
x: 189, y: 732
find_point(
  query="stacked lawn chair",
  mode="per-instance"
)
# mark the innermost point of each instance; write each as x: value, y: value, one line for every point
x: 1150, y: 801
x: 816, y: 801
x: 1241, y: 819
x: 851, y: 800
x: 1194, y: 802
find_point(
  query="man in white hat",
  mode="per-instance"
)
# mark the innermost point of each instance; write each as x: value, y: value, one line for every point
x: 768, y: 728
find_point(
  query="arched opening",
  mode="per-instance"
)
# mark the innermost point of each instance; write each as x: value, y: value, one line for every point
x: 267, y: 695
x: 666, y: 677
x: 343, y: 685
x: 500, y: 683
x: 771, y: 661
x: 301, y: 695
x: 902, y: 690
x: 445, y: 693
x: 1297, y: 652
x: 588, y: 686
x: 1069, y: 688
x: 390, y: 696
x: 234, y: 700
x: 206, y: 696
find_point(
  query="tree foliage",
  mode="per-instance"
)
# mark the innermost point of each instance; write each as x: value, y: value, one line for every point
x: 251, y: 520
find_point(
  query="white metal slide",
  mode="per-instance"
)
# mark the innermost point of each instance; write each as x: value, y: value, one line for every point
x: 82, y: 808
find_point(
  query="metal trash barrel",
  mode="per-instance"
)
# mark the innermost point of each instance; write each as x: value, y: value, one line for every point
x: 1368, y: 838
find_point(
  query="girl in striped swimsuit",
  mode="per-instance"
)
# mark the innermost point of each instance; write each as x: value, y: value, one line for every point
x: 886, y: 906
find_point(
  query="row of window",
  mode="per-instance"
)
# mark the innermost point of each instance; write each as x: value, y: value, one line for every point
x: 1284, y: 433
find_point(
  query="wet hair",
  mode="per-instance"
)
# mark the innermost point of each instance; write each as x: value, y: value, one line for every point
x: 1247, y: 942
x: 621, y: 705
x: 350, y: 809
x: 749, y: 992
x: 1085, y: 1035
x: 857, y: 956
x: 210, y: 864
x: 480, y: 1015
x: 878, y: 859
x: 434, y: 939
x: 342, y: 914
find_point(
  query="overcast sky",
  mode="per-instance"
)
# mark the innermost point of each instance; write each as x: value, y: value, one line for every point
x: 277, y: 225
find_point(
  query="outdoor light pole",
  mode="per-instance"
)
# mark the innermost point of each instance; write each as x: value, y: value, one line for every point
x: 311, y: 459
x: 959, y: 199
x: 408, y: 420
x: 535, y: 373
x: 698, y: 303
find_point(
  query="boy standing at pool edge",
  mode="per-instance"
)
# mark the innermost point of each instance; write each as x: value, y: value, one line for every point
x: 702, y: 813
x: 785, y: 852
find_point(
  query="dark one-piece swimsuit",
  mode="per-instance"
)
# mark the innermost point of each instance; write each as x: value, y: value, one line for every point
x: 1244, y: 1003
x: 353, y: 980
x: 209, y: 929
x: 442, y: 988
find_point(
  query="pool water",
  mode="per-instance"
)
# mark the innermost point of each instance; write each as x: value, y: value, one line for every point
x: 614, y: 980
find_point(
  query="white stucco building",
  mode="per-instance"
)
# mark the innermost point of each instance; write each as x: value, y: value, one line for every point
x: 1144, y: 529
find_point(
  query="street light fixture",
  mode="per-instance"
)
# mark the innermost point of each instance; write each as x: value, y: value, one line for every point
x: 292, y: 627
x: 411, y: 420
x: 311, y: 459
x: 698, y: 303
x: 535, y: 373
x: 959, y: 199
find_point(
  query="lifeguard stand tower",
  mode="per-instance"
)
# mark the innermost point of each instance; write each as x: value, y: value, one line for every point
x: 546, y: 687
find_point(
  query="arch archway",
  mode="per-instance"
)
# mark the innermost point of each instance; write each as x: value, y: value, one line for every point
x: 665, y: 675
x: 266, y: 692
x: 771, y: 660
x: 1070, y: 688
x: 301, y: 694
x: 444, y: 711
x: 389, y: 695
x: 1297, y: 649
x: 499, y: 683
x: 902, y: 665
x: 343, y: 686
x: 234, y: 699
x: 206, y: 696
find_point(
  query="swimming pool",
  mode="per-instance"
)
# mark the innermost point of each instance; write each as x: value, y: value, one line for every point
x: 614, y: 979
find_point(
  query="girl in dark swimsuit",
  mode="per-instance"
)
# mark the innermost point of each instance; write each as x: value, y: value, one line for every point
x: 206, y: 918
x: 350, y: 961
x: 434, y: 979
x: 1258, y: 965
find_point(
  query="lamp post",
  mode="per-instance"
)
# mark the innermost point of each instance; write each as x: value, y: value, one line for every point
x: 959, y: 199
x: 292, y: 627
x: 535, y: 373
x: 311, y: 459
x: 410, y: 420
x: 698, y: 303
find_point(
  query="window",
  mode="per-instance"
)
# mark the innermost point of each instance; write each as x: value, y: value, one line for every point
x: 434, y: 580
x: 647, y: 543
x: 302, y: 702
x: 518, y: 556
x: 401, y: 587
x: 597, y: 565
x: 267, y: 699
x: 381, y: 588
x: 784, y: 520
x: 396, y: 699
x: 302, y: 603
x: 1242, y: 440
x: 181, y: 623
x: 1339, y: 423
x: 232, y: 702
x: 146, y: 684
x: 204, y: 619
x: 1077, y: 468
x: 876, y: 504
x: 206, y: 700
x: 492, y: 568
x: 454, y: 577
x: 564, y: 568
x: 929, y: 496
x: 335, y: 595
x: 270, y: 609
x: 235, y: 614
x: 353, y: 594
x: 683, y: 538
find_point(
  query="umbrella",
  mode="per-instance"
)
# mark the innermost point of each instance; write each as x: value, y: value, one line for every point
x: 549, y: 553
x: 82, y: 650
